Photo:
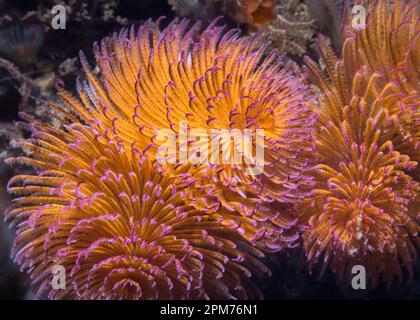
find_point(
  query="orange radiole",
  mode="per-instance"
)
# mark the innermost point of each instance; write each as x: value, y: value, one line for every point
x: 364, y: 208
x: 127, y: 227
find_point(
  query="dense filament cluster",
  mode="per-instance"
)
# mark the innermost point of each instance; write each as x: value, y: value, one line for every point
x: 119, y: 224
x: 390, y: 47
x: 364, y: 207
x: 123, y: 224
x: 154, y: 80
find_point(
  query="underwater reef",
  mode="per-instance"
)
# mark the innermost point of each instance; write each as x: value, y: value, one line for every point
x: 85, y: 188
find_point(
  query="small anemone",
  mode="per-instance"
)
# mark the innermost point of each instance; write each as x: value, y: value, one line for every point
x: 20, y: 43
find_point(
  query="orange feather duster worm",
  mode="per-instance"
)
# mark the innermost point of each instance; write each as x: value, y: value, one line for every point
x: 124, y: 225
x: 119, y: 224
x: 390, y: 46
x: 154, y: 80
x: 364, y: 208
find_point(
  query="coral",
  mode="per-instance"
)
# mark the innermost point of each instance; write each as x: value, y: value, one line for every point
x: 253, y: 13
x: 26, y: 86
x: 82, y: 10
x: 364, y: 207
x: 284, y: 25
x: 205, y: 10
x: 291, y: 30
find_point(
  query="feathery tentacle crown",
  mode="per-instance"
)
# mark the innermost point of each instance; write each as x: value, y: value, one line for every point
x: 154, y: 80
x: 391, y: 48
x: 364, y: 208
x: 124, y: 225
x: 119, y: 224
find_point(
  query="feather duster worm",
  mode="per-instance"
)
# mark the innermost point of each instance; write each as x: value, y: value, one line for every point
x: 394, y: 32
x: 218, y: 82
x: 154, y: 80
x: 364, y: 208
x: 118, y: 223
x: 125, y: 226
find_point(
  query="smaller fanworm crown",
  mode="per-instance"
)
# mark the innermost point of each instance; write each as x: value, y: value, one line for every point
x: 364, y: 207
x: 387, y: 52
